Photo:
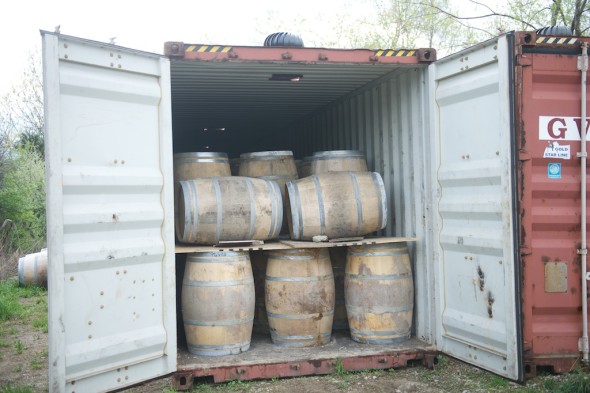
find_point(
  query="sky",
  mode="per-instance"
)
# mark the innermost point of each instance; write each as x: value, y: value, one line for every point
x: 146, y: 25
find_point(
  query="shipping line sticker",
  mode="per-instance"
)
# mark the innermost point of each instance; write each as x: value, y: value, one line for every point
x: 554, y: 170
x: 555, y: 150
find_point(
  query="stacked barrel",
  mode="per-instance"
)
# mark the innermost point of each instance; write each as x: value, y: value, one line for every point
x: 297, y: 296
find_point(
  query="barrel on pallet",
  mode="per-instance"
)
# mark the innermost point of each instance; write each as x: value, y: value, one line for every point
x: 300, y: 297
x: 336, y: 204
x: 277, y: 166
x: 218, y: 303
x: 338, y: 161
x: 195, y: 165
x: 227, y: 208
x: 32, y: 269
x: 379, y: 293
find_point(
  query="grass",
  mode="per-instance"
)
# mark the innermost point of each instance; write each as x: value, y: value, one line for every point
x: 10, y: 305
x: 575, y: 382
x: 36, y: 364
x: 340, y: 370
x: 18, y: 345
x: 15, y: 389
x: 237, y: 385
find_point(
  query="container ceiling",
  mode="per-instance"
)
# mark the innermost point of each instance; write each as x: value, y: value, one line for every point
x: 217, y: 102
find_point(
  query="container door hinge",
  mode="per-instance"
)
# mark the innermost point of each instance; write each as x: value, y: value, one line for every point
x: 580, y: 154
x: 582, y: 251
x: 524, y: 60
x: 524, y: 155
x: 582, y: 343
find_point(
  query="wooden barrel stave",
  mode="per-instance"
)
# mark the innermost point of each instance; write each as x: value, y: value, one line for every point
x: 379, y: 293
x: 338, y: 161
x: 218, y: 303
x: 299, y: 297
x: 32, y: 269
x: 195, y: 165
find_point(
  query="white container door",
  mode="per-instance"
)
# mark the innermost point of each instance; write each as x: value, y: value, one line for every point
x: 476, y: 272
x: 110, y: 215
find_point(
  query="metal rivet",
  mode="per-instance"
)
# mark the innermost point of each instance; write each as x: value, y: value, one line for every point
x: 495, y: 46
x: 65, y: 46
x: 116, y: 161
x: 124, y: 271
x: 134, y: 281
x: 153, y: 309
x: 118, y: 379
x: 153, y: 294
x: 66, y: 56
x: 101, y: 293
x: 466, y: 58
x: 117, y: 272
x: 126, y: 377
x: 126, y: 367
x: 112, y: 55
x: 123, y: 161
x: 69, y: 160
x: 89, y: 336
x: 497, y: 153
x: 462, y: 68
x: 119, y: 370
x: 119, y: 66
x: 119, y: 56
x: 101, y: 306
x: 112, y: 65
x: 500, y: 262
x: 71, y: 278
x: 89, y: 322
x: 143, y: 281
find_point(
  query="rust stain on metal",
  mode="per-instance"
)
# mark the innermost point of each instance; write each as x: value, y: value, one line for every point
x: 481, y: 275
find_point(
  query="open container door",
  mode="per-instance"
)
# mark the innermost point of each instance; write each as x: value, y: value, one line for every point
x: 477, y: 274
x: 109, y: 215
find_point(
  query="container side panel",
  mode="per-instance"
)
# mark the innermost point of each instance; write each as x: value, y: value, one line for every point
x: 551, y: 209
x: 112, y: 250
x: 387, y: 121
x: 475, y: 229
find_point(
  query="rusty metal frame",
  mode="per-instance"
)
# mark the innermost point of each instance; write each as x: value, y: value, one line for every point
x: 184, y: 378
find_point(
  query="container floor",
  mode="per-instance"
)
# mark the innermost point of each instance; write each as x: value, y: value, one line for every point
x: 265, y: 360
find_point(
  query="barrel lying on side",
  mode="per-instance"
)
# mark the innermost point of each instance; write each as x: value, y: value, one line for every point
x: 337, y: 204
x: 195, y: 165
x: 379, y: 293
x: 299, y: 297
x: 218, y: 303
x: 32, y: 269
x: 227, y: 208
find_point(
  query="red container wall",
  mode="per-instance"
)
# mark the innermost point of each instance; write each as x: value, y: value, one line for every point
x: 549, y: 101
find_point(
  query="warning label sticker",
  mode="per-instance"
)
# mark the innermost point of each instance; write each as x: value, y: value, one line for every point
x: 555, y: 150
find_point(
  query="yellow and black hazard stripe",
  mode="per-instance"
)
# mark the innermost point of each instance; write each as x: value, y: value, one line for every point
x: 557, y: 40
x: 394, y: 52
x: 207, y: 48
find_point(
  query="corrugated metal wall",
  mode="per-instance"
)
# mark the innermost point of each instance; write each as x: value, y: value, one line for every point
x: 387, y: 120
x: 384, y: 121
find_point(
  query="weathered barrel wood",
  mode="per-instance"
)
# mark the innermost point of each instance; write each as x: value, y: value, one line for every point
x: 379, y: 293
x: 32, y: 269
x: 336, y: 204
x: 195, y: 165
x: 338, y: 258
x: 218, y: 303
x: 227, y: 208
x: 300, y: 297
x: 338, y: 161
x: 277, y: 166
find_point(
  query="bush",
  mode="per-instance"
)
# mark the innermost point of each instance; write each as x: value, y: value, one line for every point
x: 22, y: 201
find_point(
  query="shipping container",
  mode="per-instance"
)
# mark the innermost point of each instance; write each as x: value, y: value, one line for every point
x: 478, y: 153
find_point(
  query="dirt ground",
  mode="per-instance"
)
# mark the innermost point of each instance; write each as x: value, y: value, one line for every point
x: 23, y: 364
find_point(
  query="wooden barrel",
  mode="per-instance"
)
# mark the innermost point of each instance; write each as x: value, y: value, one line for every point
x: 218, y: 303
x: 379, y: 293
x: 259, y: 262
x: 338, y: 258
x: 278, y: 166
x: 338, y: 161
x: 189, y: 166
x: 227, y: 208
x: 300, y: 297
x: 336, y: 204
x: 304, y: 168
x: 32, y: 269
